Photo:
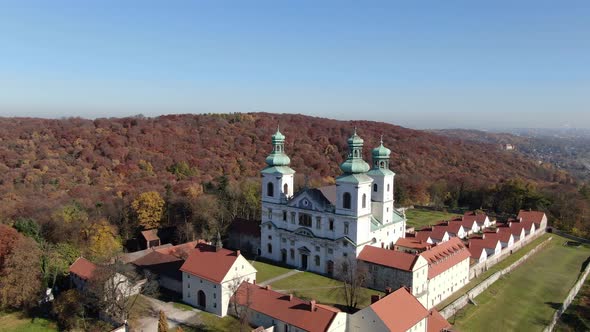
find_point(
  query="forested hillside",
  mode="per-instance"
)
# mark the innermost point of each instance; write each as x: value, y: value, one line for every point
x: 100, y: 166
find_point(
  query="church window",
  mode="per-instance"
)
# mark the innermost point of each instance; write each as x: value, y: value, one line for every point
x: 317, y: 260
x: 388, y: 187
x: 269, y: 214
x: 292, y: 242
x: 270, y: 189
x: 317, y: 248
x: 305, y: 219
x: 375, y: 187
x: 330, y: 251
x: 364, y: 201
x: 331, y: 224
x: 382, y: 164
x: 318, y: 222
x: 356, y: 153
x: 345, y: 228
x: 284, y: 215
x: 344, y: 243
x: 284, y: 240
x: 286, y: 189
x: 292, y: 217
x: 346, y: 201
x: 292, y: 253
x: 269, y: 247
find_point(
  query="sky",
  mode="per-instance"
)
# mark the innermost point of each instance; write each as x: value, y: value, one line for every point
x: 419, y: 64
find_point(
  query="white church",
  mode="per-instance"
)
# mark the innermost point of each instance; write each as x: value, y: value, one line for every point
x: 316, y: 228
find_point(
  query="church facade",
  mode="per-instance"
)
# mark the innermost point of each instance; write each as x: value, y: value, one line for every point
x: 317, y: 228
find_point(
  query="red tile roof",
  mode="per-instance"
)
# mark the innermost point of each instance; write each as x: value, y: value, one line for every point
x: 413, y: 243
x: 154, y: 258
x: 422, y: 235
x: 181, y: 250
x: 292, y: 311
x: 436, y: 322
x: 208, y: 263
x: 531, y: 216
x: 476, y: 245
x: 473, y: 216
x: 390, y: 258
x: 504, y: 233
x: 399, y: 310
x: 445, y: 255
x: 83, y: 268
x: 467, y: 224
x: 438, y: 233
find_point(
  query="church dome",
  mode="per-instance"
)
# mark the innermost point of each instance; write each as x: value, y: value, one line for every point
x: 355, y: 139
x: 278, y: 136
x: 278, y: 159
x: 381, y: 152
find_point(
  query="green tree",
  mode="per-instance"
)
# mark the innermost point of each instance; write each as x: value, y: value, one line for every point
x: 149, y: 208
x: 28, y: 227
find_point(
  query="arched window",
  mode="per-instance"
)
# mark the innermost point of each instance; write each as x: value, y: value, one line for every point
x: 382, y: 164
x: 286, y: 189
x: 269, y: 247
x: 355, y: 153
x: 388, y: 187
x: 364, y: 201
x: 292, y: 253
x: 346, y: 201
x: 317, y: 260
x: 270, y: 189
x: 375, y: 187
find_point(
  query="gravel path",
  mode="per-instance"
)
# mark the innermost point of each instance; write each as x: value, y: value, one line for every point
x: 282, y: 276
x: 175, y: 316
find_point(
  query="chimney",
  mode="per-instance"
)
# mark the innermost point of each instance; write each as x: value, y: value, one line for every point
x: 375, y: 298
x: 388, y: 290
x: 238, y: 253
x: 312, y: 305
x: 267, y: 287
x: 290, y: 297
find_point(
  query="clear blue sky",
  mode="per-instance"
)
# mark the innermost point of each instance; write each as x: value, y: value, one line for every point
x: 422, y: 64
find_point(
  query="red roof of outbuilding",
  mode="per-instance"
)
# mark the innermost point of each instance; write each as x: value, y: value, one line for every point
x: 474, y: 216
x: 181, y: 250
x: 400, y: 310
x: 476, y: 245
x: 83, y: 268
x: 293, y: 311
x: 150, y: 235
x: 209, y: 263
x: 390, y: 258
x: 445, y: 255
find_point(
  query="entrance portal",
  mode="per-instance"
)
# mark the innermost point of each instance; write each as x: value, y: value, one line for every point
x: 304, y: 262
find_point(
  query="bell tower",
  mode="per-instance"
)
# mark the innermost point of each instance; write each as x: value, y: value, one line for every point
x: 277, y: 177
x: 382, y: 188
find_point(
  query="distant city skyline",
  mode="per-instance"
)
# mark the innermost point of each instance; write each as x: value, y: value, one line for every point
x: 463, y: 64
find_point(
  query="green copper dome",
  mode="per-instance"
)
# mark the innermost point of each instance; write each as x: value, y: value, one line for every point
x: 278, y: 157
x: 381, y: 152
x: 355, y: 163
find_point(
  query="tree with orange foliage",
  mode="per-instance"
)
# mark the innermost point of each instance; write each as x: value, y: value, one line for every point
x: 149, y: 207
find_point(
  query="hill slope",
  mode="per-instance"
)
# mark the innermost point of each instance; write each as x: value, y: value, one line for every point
x: 47, y: 162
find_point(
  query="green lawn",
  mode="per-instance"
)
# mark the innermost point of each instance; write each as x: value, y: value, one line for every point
x: 501, y: 265
x: 13, y: 322
x: 424, y: 217
x: 267, y: 271
x: 309, y: 285
x: 212, y: 323
x: 526, y: 299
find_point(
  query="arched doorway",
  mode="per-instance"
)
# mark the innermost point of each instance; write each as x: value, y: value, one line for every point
x: 201, y: 299
x: 330, y: 268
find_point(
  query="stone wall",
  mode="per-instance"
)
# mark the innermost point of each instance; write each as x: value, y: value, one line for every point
x: 452, y: 308
x: 568, y: 300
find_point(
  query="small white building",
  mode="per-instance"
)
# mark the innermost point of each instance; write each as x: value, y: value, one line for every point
x: 274, y: 311
x: 482, y: 220
x: 538, y: 218
x: 211, y: 275
x: 394, y: 269
x: 448, y: 270
x: 491, y: 245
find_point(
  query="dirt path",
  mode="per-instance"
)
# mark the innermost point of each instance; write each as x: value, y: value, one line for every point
x: 277, y: 278
x: 175, y: 316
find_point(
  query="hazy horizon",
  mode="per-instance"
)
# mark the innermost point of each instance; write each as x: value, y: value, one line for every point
x: 460, y: 65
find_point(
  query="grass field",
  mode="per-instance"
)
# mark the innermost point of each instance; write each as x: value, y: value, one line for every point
x: 501, y: 265
x: 267, y: 271
x: 423, y: 217
x: 525, y: 299
x: 16, y: 322
x: 309, y: 285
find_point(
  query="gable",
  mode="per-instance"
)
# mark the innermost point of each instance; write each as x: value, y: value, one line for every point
x: 306, y: 201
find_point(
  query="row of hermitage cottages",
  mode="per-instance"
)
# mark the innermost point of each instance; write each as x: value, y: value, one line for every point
x: 314, y: 230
